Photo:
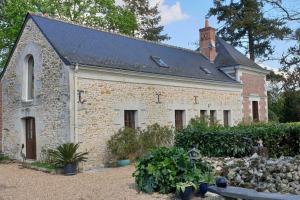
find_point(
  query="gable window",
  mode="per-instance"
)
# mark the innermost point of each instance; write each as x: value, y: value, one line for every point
x: 226, y: 117
x: 213, y: 117
x: 130, y: 118
x: 29, y: 79
x: 179, y: 118
x: 255, y: 113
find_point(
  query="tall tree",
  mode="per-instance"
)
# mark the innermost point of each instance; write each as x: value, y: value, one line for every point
x: 98, y: 13
x: 246, y: 26
x: 148, y: 19
x: 290, y: 60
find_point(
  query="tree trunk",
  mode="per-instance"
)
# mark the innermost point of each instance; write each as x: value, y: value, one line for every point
x: 251, y: 44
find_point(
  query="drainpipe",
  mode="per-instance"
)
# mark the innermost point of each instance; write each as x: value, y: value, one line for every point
x: 75, y: 104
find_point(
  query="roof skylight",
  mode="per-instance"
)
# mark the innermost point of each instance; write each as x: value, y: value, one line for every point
x: 205, y: 70
x: 159, y: 61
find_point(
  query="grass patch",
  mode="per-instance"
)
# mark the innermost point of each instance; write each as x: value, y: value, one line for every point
x: 48, y: 166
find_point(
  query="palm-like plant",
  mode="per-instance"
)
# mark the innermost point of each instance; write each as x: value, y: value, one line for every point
x: 67, y: 154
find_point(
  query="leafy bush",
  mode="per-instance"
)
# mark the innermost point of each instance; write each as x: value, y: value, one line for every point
x: 67, y: 154
x: 161, y: 169
x: 155, y: 136
x: 280, y: 139
x: 132, y: 143
x: 124, y: 143
x: 4, y: 157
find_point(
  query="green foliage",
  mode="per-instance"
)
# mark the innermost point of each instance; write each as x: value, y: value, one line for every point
x: 124, y: 143
x: 4, y: 157
x: 148, y: 21
x: 180, y: 187
x: 48, y: 166
x: 247, y: 26
x: 154, y: 136
x: 161, y: 169
x: 208, y: 178
x: 280, y: 139
x: 291, y: 106
x: 132, y: 143
x: 67, y: 154
x: 97, y: 13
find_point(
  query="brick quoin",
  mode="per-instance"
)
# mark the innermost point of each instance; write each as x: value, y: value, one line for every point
x: 254, y: 84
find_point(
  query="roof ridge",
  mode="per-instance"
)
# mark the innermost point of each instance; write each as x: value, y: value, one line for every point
x: 63, y: 20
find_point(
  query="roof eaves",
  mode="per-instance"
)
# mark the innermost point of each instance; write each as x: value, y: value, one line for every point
x: 109, y: 67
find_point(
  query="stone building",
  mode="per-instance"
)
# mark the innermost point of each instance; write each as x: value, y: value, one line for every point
x: 69, y: 83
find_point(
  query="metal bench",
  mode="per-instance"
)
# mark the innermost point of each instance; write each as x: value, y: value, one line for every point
x: 250, y: 194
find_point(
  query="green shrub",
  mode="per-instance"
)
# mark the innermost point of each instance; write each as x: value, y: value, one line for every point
x: 155, y: 136
x: 161, y: 169
x: 132, y: 143
x: 280, y: 139
x: 124, y: 143
x: 4, y: 157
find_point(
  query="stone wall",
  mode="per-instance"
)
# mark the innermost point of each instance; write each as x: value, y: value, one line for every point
x: 103, y: 112
x: 254, y: 89
x: 262, y: 174
x: 50, y: 106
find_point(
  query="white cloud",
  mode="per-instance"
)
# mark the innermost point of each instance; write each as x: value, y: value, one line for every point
x: 169, y: 13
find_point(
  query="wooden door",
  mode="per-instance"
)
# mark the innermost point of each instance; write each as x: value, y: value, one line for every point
x: 255, y: 113
x: 179, y: 119
x: 30, y: 138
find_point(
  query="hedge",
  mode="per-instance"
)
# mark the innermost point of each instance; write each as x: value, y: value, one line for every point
x: 280, y: 139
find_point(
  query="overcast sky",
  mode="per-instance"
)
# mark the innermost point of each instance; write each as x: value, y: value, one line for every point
x: 183, y: 18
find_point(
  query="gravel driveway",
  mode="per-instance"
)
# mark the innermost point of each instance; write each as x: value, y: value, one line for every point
x: 26, y: 184
x: 17, y: 183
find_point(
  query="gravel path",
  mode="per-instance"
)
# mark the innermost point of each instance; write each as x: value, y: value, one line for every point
x: 26, y: 184
x: 17, y: 183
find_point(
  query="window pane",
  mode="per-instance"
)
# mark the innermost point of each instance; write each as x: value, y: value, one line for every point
x: 129, y: 118
x: 212, y: 117
x: 30, y: 78
x: 226, y: 116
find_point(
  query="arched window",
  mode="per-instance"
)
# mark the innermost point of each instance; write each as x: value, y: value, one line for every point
x: 30, y: 78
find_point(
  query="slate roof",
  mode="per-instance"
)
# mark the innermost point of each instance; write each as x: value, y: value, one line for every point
x: 229, y: 56
x: 87, y: 46
x: 77, y: 44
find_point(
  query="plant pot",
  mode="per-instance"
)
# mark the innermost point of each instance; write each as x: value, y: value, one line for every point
x: 187, y: 194
x: 221, y: 182
x: 123, y: 163
x: 70, y: 169
x: 202, y: 190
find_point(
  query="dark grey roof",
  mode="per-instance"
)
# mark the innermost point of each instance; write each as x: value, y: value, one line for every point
x: 87, y: 46
x: 229, y: 56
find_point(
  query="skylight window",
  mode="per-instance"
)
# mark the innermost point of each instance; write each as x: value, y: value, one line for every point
x: 205, y: 70
x: 159, y: 61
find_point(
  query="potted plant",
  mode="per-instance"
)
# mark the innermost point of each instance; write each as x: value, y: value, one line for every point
x: 66, y: 156
x: 123, y: 144
x: 206, y: 180
x: 185, y: 190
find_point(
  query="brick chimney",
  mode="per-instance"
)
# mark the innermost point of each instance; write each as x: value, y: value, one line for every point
x: 208, y: 42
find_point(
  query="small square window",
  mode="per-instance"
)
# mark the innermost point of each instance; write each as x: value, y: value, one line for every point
x: 159, y: 61
x: 205, y: 70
